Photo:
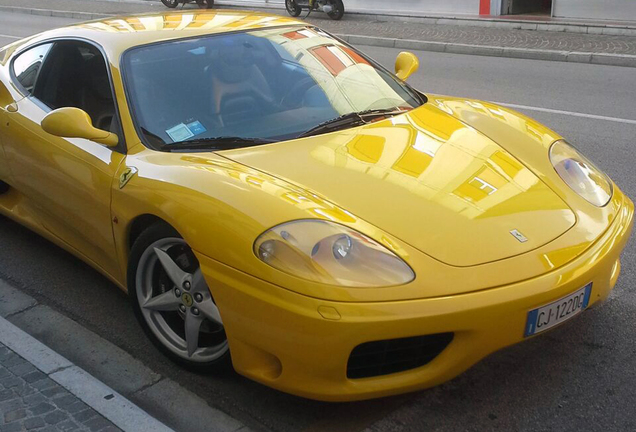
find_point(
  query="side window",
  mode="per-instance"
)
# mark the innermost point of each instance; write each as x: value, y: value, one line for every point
x: 27, y: 65
x: 75, y: 75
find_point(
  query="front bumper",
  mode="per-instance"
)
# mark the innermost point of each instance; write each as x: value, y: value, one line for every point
x: 301, y: 345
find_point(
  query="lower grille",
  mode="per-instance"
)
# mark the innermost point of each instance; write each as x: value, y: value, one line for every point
x: 395, y: 355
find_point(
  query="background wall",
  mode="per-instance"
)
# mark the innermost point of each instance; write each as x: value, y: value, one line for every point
x: 619, y: 10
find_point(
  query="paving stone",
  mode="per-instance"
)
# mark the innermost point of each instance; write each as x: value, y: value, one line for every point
x: 14, y: 415
x: 76, y: 407
x: 57, y: 390
x: 12, y: 360
x: 33, y: 376
x: 22, y: 369
x: 44, y: 384
x: 6, y: 394
x: 64, y: 401
x: 34, y: 399
x: 97, y: 423
x: 10, y: 405
x: 67, y: 425
x: 41, y: 408
x: 55, y: 417
x: 85, y: 415
x: 33, y: 423
x: 12, y: 427
x: 11, y: 381
x: 24, y: 390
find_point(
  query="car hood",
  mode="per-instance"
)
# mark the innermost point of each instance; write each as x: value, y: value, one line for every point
x: 430, y: 180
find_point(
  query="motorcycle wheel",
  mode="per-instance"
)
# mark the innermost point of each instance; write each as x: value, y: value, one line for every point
x: 170, y: 3
x: 292, y: 8
x: 338, y: 10
x: 209, y: 4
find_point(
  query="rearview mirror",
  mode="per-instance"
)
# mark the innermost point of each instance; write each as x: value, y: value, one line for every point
x: 74, y: 123
x: 406, y: 65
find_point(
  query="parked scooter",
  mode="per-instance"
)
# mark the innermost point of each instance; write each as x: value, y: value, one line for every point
x: 202, y: 3
x: 334, y: 8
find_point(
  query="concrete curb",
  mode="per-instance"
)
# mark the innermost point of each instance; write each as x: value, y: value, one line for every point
x: 54, y: 13
x: 418, y: 45
x: 495, y: 51
x: 126, y: 392
x: 110, y: 404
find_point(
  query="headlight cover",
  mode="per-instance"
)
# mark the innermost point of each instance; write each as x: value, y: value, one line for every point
x: 332, y: 254
x: 581, y: 174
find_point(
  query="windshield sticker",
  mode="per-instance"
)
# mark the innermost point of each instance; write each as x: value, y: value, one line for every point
x: 179, y: 133
x: 196, y: 127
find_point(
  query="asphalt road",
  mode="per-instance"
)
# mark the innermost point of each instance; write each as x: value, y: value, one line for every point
x: 579, y: 377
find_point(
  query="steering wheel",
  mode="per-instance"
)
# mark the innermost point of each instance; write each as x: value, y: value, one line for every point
x: 294, y: 96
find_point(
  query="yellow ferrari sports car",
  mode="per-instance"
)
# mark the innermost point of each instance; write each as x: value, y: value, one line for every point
x: 274, y: 200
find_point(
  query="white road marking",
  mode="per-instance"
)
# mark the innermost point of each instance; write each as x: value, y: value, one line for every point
x: 570, y: 113
x: 11, y: 37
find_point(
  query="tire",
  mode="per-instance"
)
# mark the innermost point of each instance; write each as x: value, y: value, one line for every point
x: 165, y: 310
x: 3, y: 187
x: 292, y: 8
x: 338, y: 10
x: 170, y: 3
x: 203, y: 4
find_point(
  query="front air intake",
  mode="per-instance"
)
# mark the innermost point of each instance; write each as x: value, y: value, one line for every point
x: 395, y: 355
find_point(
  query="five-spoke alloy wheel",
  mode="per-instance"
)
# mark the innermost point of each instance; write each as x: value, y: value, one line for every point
x: 173, y: 302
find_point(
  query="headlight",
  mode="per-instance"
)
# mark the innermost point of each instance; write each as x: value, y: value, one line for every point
x: 330, y: 253
x: 581, y: 174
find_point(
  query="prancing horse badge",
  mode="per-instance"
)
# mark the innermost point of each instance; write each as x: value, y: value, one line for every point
x: 125, y: 177
x: 516, y: 234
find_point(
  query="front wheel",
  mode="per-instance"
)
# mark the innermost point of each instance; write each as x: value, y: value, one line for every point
x: 173, y: 303
x: 292, y: 8
x: 170, y: 3
x: 338, y: 10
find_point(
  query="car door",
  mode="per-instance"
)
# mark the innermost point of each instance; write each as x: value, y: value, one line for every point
x: 67, y: 180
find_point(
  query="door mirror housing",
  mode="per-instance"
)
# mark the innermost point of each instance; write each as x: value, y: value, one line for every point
x: 75, y: 123
x: 406, y: 65
x: 5, y: 96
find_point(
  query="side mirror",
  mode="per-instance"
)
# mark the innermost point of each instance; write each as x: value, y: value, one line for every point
x: 75, y: 123
x: 5, y: 97
x: 406, y: 65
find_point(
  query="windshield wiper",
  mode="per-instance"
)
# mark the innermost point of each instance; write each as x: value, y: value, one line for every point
x: 351, y: 119
x: 385, y: 112
x: 217, y: 143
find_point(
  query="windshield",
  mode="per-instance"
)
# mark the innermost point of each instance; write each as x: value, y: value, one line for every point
x: 264, y: 86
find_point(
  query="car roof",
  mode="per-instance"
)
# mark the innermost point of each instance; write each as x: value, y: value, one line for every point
x: 117, y: 34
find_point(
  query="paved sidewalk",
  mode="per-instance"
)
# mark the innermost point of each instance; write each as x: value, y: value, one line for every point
x: 481, y: 40
x: 30, y: 400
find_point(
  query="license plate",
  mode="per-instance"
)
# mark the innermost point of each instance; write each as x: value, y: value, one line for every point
x: 545, y: 317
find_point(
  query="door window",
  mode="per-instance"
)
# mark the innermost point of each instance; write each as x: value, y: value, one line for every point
x: 75, y: 75
x: 27, y: 65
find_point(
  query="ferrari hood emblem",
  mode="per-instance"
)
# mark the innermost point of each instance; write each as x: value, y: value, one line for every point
x: 516, y: 234
x: 125, y: 177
